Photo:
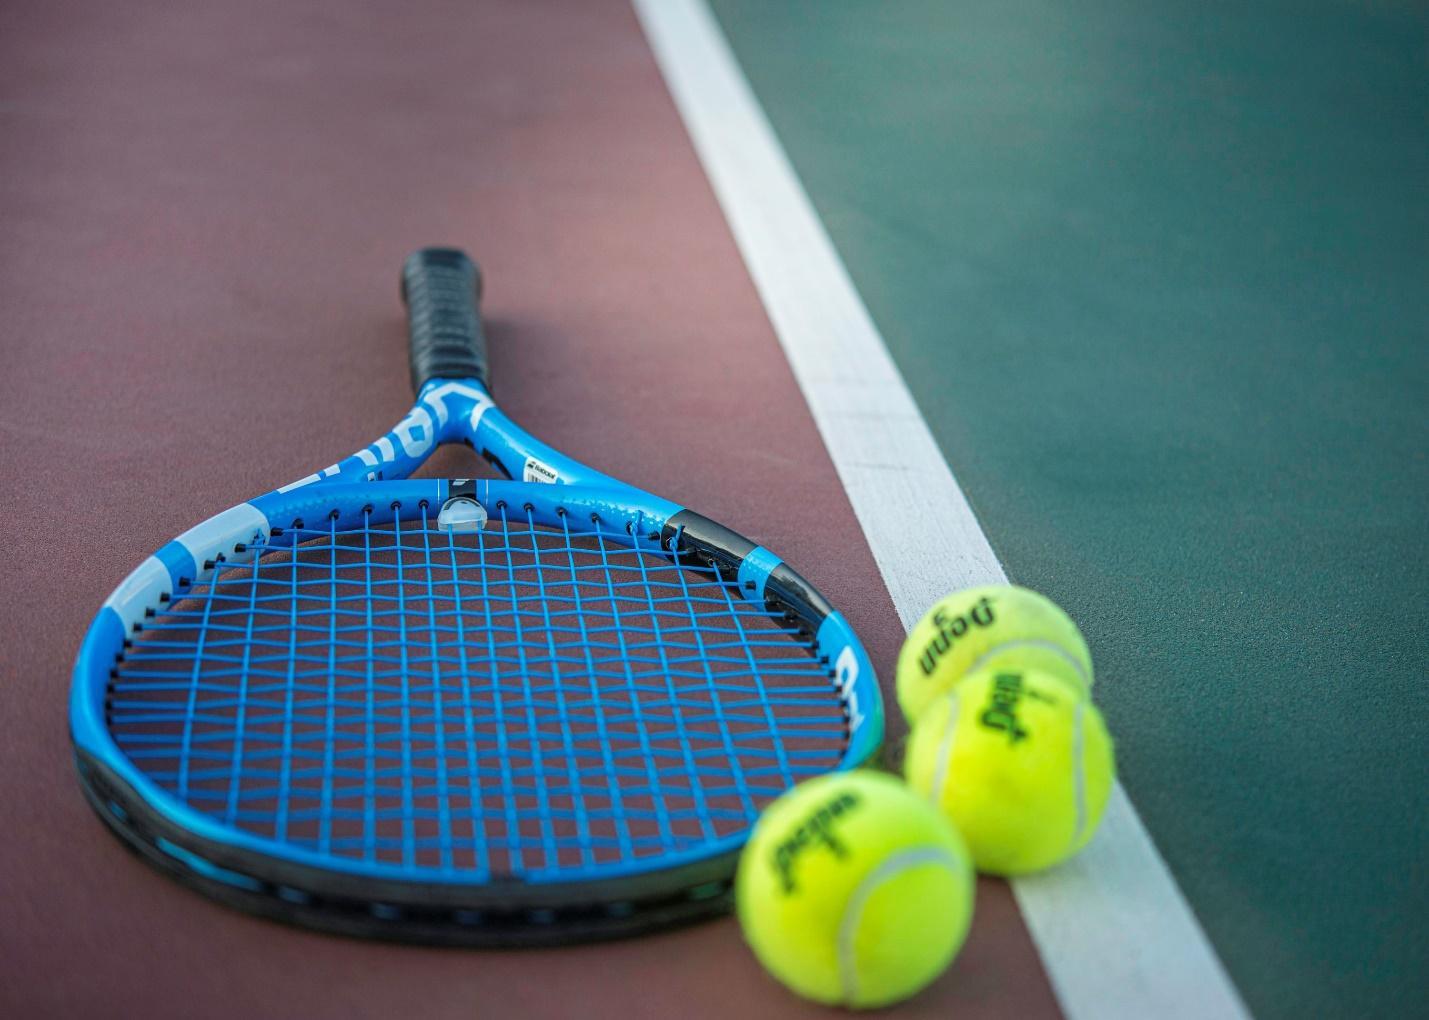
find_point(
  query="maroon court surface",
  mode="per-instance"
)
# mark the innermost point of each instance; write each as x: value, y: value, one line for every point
x: 205, y: 207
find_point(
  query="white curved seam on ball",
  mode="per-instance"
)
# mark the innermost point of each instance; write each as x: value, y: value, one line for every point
x: 1079, y: 772
x: 944, y: 759
x: 1042, y: 643
x: 848, y: 926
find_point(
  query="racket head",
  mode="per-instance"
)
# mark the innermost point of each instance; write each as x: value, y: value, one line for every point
x: 266, y: 755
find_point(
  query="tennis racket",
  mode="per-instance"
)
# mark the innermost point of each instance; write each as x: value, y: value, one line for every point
x: 521, y: 711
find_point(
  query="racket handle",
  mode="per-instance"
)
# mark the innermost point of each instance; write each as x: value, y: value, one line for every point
x: 441, y: 288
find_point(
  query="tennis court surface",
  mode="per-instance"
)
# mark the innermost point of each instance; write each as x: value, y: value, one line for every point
x: 1123, y: 304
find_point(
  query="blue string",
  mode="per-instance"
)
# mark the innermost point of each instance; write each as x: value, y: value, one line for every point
x: 622, y: 828
x: 236, y: 773
x: 642, y: 732
x: 567, y: 737
x: 408, y: 832
x: 517, y: 700
x: 507, y: 784
x: 439, y: 721
x: 281, y: 813
x: 325, y: 810
x: 192, y: 707
x: 543, y: 806
x: 369, y: 800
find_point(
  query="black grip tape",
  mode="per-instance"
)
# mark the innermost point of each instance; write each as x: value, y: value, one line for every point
x: 441, y: 288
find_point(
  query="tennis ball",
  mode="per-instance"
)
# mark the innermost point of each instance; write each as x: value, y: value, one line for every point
x: 989, y: 626
x: 853, y: 890
x: 1020, y: 761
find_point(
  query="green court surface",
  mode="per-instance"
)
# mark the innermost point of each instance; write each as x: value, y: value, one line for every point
x: 1157, y: 277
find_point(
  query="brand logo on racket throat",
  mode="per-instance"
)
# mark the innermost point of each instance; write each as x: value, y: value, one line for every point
x: 416, y: 434
x: 817, y: 830
x: 437, y: 396
x: 418, y: 431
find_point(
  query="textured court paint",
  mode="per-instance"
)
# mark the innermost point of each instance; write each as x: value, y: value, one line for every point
x: 1155, y: 276
x: 1148, y: 956
x: 164, y: 375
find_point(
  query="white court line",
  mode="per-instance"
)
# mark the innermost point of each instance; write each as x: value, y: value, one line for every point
x: 1114, y: 932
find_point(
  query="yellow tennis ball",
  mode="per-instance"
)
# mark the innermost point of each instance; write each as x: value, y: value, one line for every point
x: 985, y: 627
x: 853, y: 890
x: 1020, y: 761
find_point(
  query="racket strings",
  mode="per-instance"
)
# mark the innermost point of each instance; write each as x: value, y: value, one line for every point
x: 515, y: 700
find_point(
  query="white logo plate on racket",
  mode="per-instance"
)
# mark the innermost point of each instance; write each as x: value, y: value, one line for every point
x: 538, y: 471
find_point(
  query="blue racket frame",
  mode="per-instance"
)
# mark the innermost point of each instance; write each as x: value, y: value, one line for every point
x: 389, y: 898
